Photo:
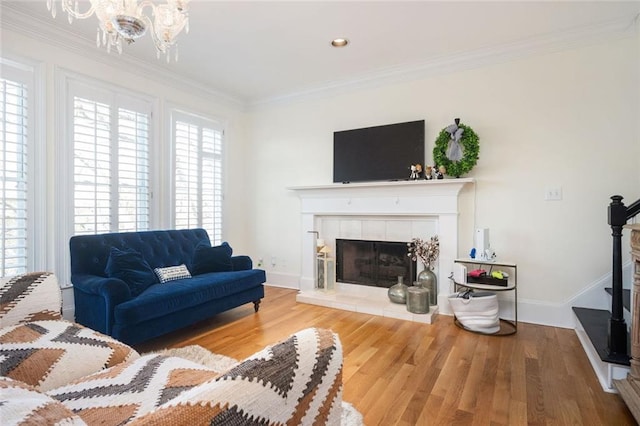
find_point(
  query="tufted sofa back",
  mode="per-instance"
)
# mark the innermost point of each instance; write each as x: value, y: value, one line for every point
x: 89, y: 253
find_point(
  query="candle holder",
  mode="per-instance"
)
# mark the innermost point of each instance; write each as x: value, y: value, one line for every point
x: 326, y: 270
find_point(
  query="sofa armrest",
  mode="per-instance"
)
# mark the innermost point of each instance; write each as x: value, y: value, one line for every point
x: 297, y: 381
x: 241, y: 263
x: 95, y: 299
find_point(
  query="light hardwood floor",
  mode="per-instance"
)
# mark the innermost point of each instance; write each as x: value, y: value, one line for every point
x: 402, y: 373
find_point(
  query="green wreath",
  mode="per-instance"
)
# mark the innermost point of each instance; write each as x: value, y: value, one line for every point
x: 470, y: 149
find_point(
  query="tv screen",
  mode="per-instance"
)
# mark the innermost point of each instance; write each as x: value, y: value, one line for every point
x: 379, y: 153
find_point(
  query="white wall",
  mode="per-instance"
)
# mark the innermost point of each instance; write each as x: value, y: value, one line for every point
x: 565, y: 119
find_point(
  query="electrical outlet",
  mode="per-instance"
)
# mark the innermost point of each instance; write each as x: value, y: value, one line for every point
x: 273, y: 261
x: 553, y: 193
x: 260, y: 262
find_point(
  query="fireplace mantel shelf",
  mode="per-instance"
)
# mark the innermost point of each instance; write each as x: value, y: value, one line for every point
x: 387, y: 184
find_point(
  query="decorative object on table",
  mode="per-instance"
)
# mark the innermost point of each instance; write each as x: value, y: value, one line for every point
x: 417, y: 299
x: 441, y: 172
x: 427, y: 252
x: 472, y: 253
x: 326, y: 270
x: 480, y: 276
x: 483, y: 246
x: 457, y: 149
x: 398, y: 292
x: 416, y: 171
x: 476, y: 310
x: 428, y: 173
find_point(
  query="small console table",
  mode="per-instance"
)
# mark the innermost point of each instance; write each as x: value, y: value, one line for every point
x: 507, y: 326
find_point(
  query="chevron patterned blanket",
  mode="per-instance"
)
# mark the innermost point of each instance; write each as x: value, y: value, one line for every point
x: 48, y: 354
x: 29, y: 297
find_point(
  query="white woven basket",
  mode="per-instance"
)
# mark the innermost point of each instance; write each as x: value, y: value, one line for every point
x: 479, y: 312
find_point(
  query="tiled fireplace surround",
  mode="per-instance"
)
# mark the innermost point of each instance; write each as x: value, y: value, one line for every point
x: 382, y: 211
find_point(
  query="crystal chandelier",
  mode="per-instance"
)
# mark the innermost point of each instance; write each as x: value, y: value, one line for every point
x: 125, y: 20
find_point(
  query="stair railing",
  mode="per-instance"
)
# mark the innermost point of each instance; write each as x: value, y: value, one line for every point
x: 618, y: 215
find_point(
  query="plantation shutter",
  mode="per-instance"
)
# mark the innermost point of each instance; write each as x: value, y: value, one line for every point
x: 14, y: 162
x: 91, y: 166
x: 111, y: 163
x: 133, y: 176
x: 198, y: 146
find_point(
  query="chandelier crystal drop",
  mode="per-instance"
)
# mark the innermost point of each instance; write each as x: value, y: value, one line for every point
x: 126, y: 20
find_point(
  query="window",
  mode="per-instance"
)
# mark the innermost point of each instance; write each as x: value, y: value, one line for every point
x: 111, y: 185
x: 13, y: 166
x: 18, y: 161
x: 197, y: 182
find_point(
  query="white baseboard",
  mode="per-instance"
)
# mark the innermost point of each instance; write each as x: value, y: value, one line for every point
x: 284, y: 280
x: 561, y: 314
x: 69, y: 313
x: 68, y: 306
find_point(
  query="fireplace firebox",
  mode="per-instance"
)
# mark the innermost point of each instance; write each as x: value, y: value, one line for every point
x: 373, y: 263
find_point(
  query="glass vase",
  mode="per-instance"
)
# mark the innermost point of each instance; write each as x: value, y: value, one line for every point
x: 398, y: 292
x: 418, y: 299
x: 428, y: 279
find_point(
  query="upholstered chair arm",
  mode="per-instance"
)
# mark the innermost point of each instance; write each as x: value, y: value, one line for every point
x: 297, y: 381
x: 241, y: 263
x: 29, y: 297
x: 95, y: 299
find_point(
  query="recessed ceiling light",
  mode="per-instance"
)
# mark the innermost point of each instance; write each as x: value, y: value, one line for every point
x: 339, y: 42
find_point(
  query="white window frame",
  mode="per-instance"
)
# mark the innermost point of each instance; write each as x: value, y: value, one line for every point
x: 178, y: 114
x: 31, y: 73
x: 68, y: 85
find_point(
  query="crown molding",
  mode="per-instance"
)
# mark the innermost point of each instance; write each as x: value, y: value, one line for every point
x: 19, y: 22
x: 549, y: 43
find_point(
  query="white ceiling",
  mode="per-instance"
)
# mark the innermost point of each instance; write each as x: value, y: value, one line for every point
x: 260, y: 50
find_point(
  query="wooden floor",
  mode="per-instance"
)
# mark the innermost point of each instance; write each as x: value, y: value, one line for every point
x: 402, y: 373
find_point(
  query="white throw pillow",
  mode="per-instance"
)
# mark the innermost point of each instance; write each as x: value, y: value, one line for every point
x: 171, y: 273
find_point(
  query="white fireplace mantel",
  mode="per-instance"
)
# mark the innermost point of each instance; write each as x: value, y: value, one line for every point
x: 433, y: 200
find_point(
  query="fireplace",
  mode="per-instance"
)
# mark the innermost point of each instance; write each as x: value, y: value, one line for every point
x: 373, y: 263
x: 381, y: 211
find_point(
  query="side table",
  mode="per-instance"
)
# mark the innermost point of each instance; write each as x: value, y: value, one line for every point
x: 507, y: 326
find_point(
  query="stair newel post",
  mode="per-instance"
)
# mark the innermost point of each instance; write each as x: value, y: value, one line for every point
x: 617, y: 327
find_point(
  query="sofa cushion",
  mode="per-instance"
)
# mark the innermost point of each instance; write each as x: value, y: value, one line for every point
x: 22, y: 404
x: 172, y: 273
x: 129, y: 266
x: 212, y: 259
x: 29, y: 297
x: 160, y: 300
x: 122, y: 393
x: 47, y: 354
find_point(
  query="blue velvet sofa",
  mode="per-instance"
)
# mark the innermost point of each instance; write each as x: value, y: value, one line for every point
x: 110, y: 299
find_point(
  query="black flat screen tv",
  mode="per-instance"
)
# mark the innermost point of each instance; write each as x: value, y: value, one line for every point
x: 380, y: 153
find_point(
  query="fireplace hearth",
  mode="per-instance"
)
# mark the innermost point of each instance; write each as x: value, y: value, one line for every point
x: 373, y: 263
